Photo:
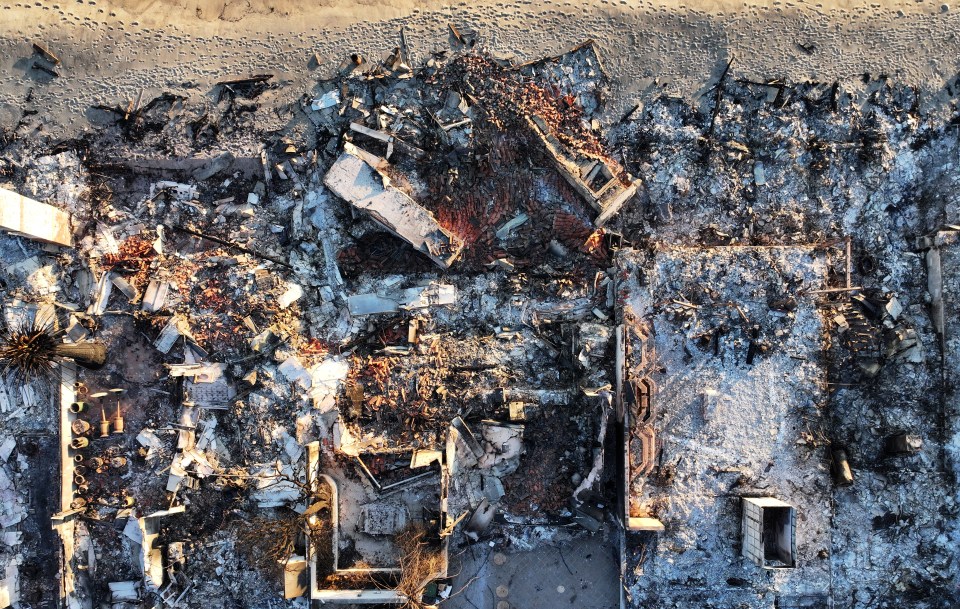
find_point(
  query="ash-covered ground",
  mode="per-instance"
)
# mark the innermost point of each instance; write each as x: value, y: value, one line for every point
x: 774, y: 247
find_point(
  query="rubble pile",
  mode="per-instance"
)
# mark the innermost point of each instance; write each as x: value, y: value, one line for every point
x: 428, y: 306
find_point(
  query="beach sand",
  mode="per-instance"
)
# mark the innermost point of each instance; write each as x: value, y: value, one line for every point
x: 111, y: 50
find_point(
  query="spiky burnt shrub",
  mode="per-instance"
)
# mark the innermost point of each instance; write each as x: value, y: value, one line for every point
x: 29, y: 350
x: 34, y: 350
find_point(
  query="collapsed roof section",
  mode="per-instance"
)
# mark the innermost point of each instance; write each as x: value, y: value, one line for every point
x: 601, y: 182
x: 355, y: 179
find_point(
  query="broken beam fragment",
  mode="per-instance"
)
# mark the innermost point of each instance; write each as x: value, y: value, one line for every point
x: 367, y: 131
x: 718, y: 97
x: 849, y: 260
x: 404, y: 49
x: 235, y: 246
x: 644, y: 523
x: 43, y: 68
x: 46, y: 53
x: 38, y: 221
x: 469, y: 438
x: 249, y: 80
x: 390, y: 140
x: 834, y: 290
x: 366, y: 472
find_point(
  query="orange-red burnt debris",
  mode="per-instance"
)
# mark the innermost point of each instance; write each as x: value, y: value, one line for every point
x: 329, y: 343
x: 308, y: 366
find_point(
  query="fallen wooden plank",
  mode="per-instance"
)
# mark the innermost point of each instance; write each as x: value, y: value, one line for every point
x: 249, y: 80
x: 46, y: 53
x: 24, y: 216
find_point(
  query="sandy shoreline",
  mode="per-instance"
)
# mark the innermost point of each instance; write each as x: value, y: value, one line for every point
x: 112, y: 50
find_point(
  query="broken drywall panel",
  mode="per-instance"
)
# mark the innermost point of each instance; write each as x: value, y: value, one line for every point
x: 121, y: 592
x: 176, y: 327
x: 182, y: 192
x: 295, y: 577
x: 420, y: 297
x: 102, y: 297
x: 435, y: 294
x: 371, y: 304
x: 292, y: 294
x: 294, y: 371
x: 39, y: 221
x: 10, y: 586
x: 325, y: 380
x: 355, y: 180
x: 155, y: 296
x: 6, y: 448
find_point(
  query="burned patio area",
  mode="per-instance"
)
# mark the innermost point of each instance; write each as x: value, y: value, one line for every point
x: 371, y: 504
x: 731, y: 339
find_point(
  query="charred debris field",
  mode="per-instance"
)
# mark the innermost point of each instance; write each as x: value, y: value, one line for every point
x: 382, y: 341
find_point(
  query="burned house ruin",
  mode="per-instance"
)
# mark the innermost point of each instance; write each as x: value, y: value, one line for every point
x: 449, y: 328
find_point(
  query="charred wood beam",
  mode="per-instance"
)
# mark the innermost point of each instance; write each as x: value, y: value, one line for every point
x: 718, y: 97
x: 628, y: 113
x: 249, y: 80
x: 235, y: 246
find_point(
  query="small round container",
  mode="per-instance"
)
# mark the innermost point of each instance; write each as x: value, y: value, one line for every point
x: 78, y: 443
x: 79, y: 427
x: 78, y: 407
